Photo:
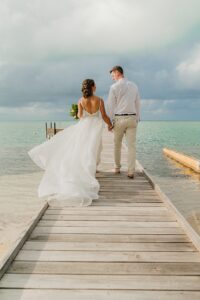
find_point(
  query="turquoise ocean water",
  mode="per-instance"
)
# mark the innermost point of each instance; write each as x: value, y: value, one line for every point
x: 180, y: 184
x: 16, y: 138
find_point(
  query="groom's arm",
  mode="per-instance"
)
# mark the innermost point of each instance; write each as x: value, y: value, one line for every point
x: 137, y: 106
x: 111, y: 103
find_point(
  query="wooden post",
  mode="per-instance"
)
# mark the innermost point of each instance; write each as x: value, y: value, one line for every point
x: 46, y: 129
x: 54, y: 127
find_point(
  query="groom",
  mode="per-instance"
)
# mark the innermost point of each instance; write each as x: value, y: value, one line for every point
x: 123, y: 108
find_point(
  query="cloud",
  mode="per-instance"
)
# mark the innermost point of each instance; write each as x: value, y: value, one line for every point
x: 171, y: 109
x: 39, y: 30
x: 47, y: 48
x: 189, y: 70
x: 58, y: 83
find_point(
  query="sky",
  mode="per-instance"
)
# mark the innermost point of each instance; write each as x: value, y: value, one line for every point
x: 49, y: 47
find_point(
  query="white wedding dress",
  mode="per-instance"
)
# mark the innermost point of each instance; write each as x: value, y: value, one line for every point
x: 70, y: 159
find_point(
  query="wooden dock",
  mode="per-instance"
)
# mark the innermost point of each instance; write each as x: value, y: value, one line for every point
x: 127, y: 246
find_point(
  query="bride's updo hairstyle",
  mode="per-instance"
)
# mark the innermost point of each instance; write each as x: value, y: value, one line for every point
x: 87, y: 86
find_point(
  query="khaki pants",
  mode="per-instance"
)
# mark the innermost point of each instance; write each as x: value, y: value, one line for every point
x: 125, y: 125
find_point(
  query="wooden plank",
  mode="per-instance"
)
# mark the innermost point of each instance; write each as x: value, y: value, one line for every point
x: 122, y: 185
x: 130, y: 196
x: 114, y: 238
x: 50, y: 294
x: 133, y: 199
x: 139, y: 180
x: 30, y: 245
x: 97, y: 223
x: 108, y: 218
x: 126, y: 192
x: 135, y: 202
x: 140, y: 202
x: 103, y: 176
x: 135, y: 183
x: 120, y: 268
x: 107, y: 210
x: 152, y: 209
x: 127, y: 196
x: 114, y: 177
x: 117, y: 282
x: 108, y: 256
x: 110, y: 230
x: 128, y: 189
x: 117, y: 203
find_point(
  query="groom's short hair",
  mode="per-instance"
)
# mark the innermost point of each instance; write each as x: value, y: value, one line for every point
x: 117, y: 68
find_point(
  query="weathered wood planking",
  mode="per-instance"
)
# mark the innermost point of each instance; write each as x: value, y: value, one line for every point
x: 128, y: 268
x: 108, y: 218
x: 64, y: 246
x: 109, y: 230
x: 116, y: 282
x: 127, y: 245
x: 114, y: 238
x: 107, y: 294
x: 54, y: 223
x: 88, y: 255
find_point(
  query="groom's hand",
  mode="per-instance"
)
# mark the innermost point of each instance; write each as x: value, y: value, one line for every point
x: 110, y: 128
x: 138, y: 120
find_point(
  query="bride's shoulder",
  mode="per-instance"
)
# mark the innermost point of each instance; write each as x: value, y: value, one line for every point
x: 101, y: 103
x: 80, y: 100
x: 99, y: 98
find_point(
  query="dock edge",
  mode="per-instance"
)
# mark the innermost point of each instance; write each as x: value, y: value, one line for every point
x: 191, y: 233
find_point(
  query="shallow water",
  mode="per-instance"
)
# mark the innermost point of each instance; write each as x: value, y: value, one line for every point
x: 16, y: 138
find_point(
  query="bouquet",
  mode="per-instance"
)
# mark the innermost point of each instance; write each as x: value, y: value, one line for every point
x: 74, y: 111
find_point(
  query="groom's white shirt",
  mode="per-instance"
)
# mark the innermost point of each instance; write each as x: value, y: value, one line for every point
x: 123, y: 98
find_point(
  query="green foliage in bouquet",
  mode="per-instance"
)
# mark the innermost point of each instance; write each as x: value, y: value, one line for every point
x: 74, y: 111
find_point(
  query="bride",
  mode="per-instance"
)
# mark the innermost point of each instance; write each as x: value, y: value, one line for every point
x: 71, y: 156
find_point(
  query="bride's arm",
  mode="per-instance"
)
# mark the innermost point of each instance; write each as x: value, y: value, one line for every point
x: 80, y: 109
x: 104, y: 115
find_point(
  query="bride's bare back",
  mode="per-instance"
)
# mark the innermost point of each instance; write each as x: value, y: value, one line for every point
x: 91, y: 104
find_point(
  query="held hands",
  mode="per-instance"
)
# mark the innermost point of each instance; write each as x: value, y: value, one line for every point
x: 110, y: 127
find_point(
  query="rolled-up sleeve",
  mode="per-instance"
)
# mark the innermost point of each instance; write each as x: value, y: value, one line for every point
x: 111, y: 103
